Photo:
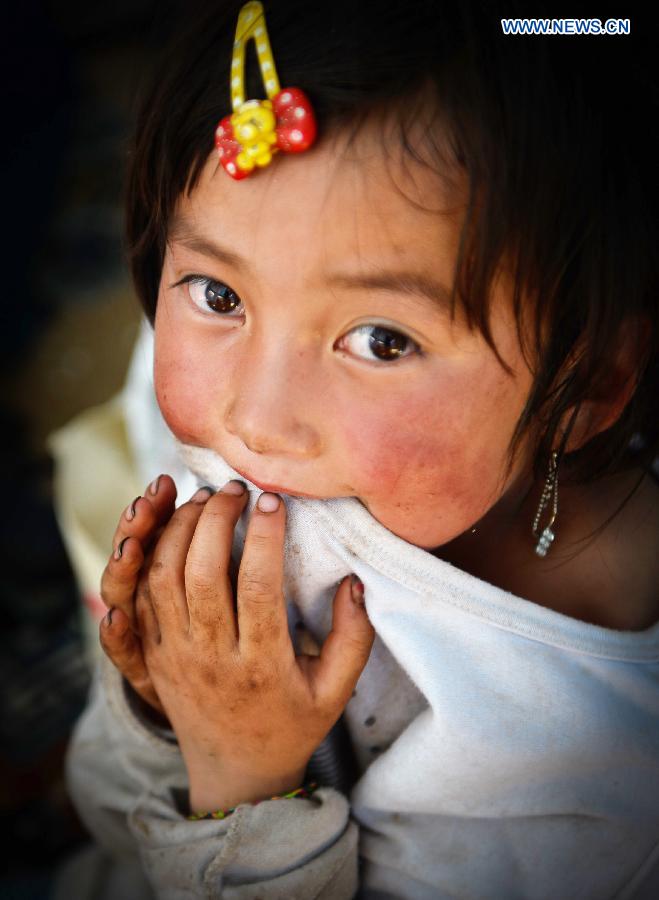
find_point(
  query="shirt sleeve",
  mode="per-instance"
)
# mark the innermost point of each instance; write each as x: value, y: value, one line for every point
x: 125, y: 776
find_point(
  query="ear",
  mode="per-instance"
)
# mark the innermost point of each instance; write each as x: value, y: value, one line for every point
x: 610, y: 395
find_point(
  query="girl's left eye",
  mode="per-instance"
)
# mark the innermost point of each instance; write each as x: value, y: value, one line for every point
x: 214, y: 295
x: 375, y: 342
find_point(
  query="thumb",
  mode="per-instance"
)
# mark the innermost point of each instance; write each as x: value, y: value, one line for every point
x: 347, y: 647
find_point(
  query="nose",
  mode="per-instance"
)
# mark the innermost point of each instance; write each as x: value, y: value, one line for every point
x: 271, y: 408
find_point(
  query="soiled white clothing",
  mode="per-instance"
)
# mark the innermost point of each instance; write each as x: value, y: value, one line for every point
x: 504, y: 750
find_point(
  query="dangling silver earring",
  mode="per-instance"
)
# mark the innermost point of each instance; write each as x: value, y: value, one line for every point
x: 549, y: 493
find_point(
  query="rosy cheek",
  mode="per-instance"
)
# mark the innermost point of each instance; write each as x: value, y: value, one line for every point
x: 427, y: 468
x: 181, y: 388
x: 403, y: 448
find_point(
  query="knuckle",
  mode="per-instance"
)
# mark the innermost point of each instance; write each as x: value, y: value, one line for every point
x: 264, y: 630
x: 255, y: 679
x: 181, y: 518
x: 256, y: 585
x: 113, y: 579
x: 260, y: 541
x: 360, y: 645
x: 118, y: 648
x: 205, y: 627
x: 198, y: 582
x: 126, y: 643
x: 217, y: 508
x: 108, y: 578
x: 147, y: 511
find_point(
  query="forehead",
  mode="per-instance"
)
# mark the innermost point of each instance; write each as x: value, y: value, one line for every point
x: 359, y: 197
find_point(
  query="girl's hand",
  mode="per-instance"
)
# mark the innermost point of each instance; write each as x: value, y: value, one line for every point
x: 247, y: 712
x: 136, y: 533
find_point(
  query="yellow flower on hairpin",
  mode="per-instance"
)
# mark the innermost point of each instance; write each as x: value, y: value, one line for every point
x: 254, y: 129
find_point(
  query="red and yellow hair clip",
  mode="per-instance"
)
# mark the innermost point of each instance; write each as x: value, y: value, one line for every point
x: 257, y: 129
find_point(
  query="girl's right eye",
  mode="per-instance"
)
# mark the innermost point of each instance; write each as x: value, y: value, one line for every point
x: 214, y: 295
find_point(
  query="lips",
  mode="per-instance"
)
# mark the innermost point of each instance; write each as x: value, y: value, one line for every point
x: 273, y: 488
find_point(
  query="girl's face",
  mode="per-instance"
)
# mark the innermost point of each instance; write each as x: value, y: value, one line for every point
x: 302, y: 332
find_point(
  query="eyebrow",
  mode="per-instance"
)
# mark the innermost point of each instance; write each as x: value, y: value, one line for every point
x: 394, y: 281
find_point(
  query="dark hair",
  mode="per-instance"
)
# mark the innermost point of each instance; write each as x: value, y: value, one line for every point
x: 556, y: 136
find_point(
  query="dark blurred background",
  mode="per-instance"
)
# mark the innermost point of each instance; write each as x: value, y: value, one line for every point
x: 69, y: 320
x: 70, y: 76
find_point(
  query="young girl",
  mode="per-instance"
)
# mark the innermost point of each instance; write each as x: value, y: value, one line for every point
x: 427, y: 345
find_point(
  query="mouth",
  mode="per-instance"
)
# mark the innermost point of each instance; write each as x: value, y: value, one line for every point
x: 274, y: 488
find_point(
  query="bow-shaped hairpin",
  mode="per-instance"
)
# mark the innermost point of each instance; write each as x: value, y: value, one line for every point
x: 257, y: 129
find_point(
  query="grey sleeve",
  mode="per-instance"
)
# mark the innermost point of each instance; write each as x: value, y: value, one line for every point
x: 124, y: 776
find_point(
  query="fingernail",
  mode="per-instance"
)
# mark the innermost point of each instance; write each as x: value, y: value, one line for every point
x: 202, y: 495
x: 155, y: 484
x: 108, y: 617
x: 268, y: 503
x: 120, y: 548
x: 130, y: 512
x: 234, y: 487
x: 357, y: 589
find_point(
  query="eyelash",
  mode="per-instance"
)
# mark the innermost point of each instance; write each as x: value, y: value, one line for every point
x: 363, y: 329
